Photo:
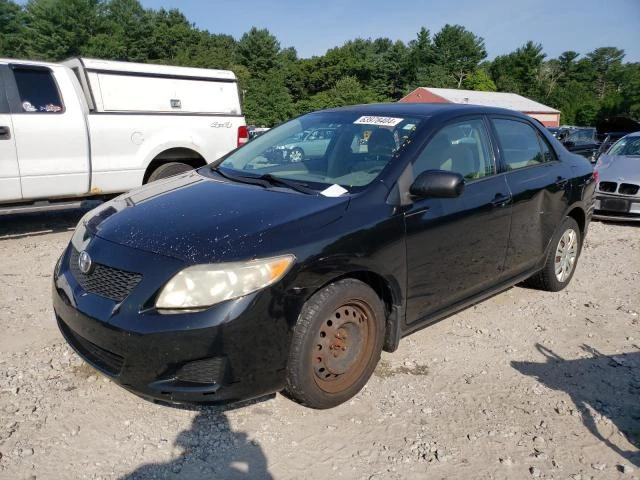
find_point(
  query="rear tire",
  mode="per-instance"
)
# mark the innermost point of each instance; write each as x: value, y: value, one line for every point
x: 562, y: 260
x: 168, y: 170
x: 336, y: 344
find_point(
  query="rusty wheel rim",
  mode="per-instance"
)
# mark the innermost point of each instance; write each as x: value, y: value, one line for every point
x: 343, y: 346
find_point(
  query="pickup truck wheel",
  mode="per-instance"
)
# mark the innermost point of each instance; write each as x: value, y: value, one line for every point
x: 336, y: 344
x: 169, y: 170
x: 562, y: 260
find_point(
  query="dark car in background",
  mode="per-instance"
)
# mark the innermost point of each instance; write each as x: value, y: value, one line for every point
x: 618, y: 191
x: 580, y: 140
x: 247, y: 277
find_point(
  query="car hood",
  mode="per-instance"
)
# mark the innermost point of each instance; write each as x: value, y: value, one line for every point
x: 199, y: 219
x: 619, y: 168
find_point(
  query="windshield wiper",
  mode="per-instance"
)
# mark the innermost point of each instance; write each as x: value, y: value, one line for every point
x: 266, y: 180
x: 293, y: 185
x: 241, y: 178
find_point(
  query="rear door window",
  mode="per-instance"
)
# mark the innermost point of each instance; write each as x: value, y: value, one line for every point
x: 519, y: 144
x: 38, y: 91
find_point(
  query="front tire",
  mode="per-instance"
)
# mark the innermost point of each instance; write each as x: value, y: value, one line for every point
x: 336, y: 344
x: 296, y: 155
x: 169, y: 170
x: 561, y: 263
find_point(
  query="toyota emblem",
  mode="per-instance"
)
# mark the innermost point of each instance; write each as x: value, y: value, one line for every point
x: 84, y: 262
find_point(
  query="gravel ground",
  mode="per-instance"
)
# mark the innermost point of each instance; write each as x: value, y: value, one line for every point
x: 525, y: 385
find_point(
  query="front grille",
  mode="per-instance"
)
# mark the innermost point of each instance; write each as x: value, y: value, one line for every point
x: 628, y: 189
x: 109, y: 362
x: 210, y: 370
x: 107, y: 282
x: 609, y: 187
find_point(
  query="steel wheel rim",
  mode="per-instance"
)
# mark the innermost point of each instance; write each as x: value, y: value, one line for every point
x: 566, y: 254
x: 343, y: 346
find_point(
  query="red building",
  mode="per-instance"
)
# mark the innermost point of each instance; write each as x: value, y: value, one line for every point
x: 547, y: 115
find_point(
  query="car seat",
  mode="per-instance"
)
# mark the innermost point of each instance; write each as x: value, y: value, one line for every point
x: 459, y: 158
x: 381, y: 142
x: 431, y: 156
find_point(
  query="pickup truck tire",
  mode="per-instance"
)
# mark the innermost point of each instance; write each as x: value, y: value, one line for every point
x: 169, y: 170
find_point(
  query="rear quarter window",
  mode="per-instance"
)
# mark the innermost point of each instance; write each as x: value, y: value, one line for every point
x: 38, y: 91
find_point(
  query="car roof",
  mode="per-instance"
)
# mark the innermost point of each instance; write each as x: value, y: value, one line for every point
x: 425, y: 109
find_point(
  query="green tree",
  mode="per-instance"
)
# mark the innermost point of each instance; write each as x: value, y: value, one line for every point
x: 346, y: 91
x: 126, y: 35
x: 419, y: 56
x: 13, y: 38
x: 549, y: 75
x: 266, y: 100
x: 607, y: 64
x: 479, y: 80
x: 258, y: 51
x: 388, y: 79
x: 519, y: 71
x: 61, y: 28
x: 458, y: 51
x: 567, y: 61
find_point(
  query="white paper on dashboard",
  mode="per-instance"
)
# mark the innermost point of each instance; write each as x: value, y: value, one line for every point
x: 334, y: 190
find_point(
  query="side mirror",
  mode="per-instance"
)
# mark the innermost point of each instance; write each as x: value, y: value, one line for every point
x: 437, y: 184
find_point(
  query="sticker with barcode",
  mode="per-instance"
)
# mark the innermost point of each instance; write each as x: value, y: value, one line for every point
x: 378, y: 121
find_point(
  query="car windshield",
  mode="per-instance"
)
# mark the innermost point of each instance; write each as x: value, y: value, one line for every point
x: 626, y: 146
x: 322, y: 149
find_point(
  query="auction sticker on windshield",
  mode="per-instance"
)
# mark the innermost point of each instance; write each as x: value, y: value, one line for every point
x: 379, y: 121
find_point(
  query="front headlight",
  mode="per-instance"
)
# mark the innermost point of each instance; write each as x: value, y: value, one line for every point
x: 205, y: 285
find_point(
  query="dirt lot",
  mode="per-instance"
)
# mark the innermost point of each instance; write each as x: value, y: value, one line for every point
x: 524, y: 385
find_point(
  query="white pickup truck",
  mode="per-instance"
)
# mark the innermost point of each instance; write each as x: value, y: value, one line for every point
x: 87, y: 128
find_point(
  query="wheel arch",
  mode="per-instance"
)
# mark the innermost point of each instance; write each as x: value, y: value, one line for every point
x: 579, y: 215
x: 388, y: 293
x: 175, y: 154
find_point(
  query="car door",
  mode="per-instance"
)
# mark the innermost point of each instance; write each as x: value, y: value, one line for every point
x: 315, y: 144
x: 537, y: 181
x: 456, y: 246
x: 50, y: 134
x: 9, y: 171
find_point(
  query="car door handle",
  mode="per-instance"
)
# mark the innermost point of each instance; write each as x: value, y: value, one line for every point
x: 5, y: 133
x: 500, y: 200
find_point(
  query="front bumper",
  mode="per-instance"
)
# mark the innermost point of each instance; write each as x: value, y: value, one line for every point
x: 616, y: 207
x: 232, y: 351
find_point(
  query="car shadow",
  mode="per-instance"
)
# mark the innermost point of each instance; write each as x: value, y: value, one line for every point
x: 211, y: 450
x: 600, y: 386
x: 21, y: 225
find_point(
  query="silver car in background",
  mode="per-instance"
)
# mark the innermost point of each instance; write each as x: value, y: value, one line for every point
x: 618, y: 171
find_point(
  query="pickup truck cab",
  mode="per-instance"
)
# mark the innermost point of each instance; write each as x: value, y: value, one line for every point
x: 88, y: 128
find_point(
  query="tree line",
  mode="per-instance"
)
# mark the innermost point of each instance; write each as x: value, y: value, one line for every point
x: 277, y: 84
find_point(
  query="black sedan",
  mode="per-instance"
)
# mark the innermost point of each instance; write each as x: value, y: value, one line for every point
x: 254, y: 275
